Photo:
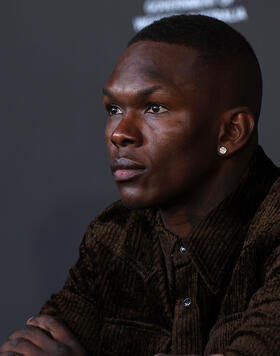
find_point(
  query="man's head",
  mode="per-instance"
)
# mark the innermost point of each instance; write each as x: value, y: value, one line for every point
x: 219, y: 47
x: 185, y: 86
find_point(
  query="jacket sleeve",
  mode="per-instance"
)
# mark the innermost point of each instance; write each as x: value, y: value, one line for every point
x: 259, y: 333
x: 77, y: 302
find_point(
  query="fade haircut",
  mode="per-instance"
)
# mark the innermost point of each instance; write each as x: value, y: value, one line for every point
x: 214, y: 40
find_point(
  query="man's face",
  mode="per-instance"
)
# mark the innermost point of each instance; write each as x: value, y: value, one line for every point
x: 162, y: 127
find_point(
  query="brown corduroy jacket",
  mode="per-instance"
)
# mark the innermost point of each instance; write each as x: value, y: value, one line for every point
x: 137, y: 289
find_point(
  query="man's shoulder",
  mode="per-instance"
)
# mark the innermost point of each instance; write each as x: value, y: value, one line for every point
x: 116, y: 214
x: 265, y: 226
x: 118, y: 220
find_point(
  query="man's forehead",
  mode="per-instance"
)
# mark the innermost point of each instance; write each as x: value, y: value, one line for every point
x: 154, y: 62
x: 140, y: 74
x: 143, y: 82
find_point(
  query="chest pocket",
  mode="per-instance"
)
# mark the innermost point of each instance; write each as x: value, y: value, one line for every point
x: 126, y: 338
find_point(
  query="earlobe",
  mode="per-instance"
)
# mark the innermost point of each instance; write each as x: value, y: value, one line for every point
x: 237, y: 126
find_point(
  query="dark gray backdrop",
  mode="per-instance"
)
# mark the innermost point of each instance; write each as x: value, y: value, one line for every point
x: 55, y: 58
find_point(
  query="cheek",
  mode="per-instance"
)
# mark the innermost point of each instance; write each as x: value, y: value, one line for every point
x: 168, y: 157
x: 170, y: 143
x: 181, y: 153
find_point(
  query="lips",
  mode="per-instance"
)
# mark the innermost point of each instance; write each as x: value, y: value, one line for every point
x: 125, y: 169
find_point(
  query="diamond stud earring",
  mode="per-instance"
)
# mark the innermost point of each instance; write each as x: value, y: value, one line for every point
x: 223, y: 150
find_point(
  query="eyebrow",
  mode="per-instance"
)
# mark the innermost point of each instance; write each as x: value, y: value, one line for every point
x: 141, y: 92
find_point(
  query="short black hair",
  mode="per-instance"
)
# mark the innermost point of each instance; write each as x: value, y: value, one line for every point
x: 212, y: 38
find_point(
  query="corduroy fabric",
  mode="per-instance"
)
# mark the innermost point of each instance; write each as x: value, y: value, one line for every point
x: 125, y: 295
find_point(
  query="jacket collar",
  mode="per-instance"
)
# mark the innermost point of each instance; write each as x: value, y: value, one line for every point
x: 215, y: 242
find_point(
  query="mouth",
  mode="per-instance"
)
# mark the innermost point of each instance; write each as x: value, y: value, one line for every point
x: 125, y: 169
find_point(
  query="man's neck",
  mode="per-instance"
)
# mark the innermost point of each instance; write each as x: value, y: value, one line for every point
x: 181, y: 216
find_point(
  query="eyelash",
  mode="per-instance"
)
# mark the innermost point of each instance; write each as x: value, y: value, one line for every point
x: 110, y: 107
x: 148, y: 107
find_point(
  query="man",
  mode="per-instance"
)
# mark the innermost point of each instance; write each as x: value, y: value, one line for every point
x: 188, y: 262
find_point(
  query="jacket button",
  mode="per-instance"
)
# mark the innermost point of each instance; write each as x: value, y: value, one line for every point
x: 187, y: 302
x: 183, y: 249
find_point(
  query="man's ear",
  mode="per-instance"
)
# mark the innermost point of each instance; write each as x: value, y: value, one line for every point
x: 236, y: 128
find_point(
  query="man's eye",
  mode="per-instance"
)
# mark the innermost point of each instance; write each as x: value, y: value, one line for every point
x: 114, y: 110
x: 156, y: 109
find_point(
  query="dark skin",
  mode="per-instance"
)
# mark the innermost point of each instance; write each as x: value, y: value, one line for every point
x: 167, y: 119
x: 163, y: 117
x: 43, y: 335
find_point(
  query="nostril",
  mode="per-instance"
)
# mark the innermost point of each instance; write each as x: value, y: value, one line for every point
x: 122, y: 140
x: 127, y: 132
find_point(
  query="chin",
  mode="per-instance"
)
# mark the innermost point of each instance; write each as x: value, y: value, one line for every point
x: 136, y: 201
x: 142, y: 197
x: 148, y: 198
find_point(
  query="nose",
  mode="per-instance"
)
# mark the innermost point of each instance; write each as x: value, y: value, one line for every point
x: 128, y: 132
